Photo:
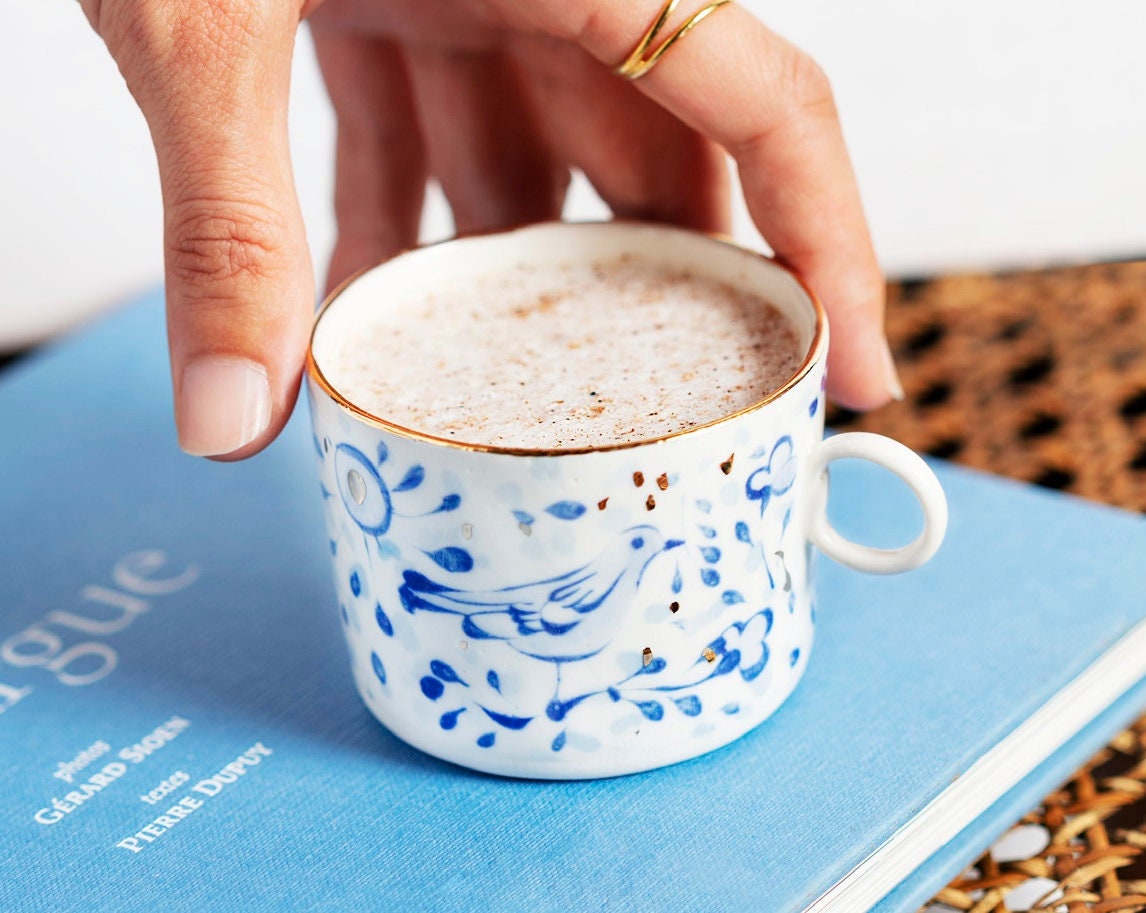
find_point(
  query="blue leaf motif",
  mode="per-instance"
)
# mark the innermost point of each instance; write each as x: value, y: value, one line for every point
x: 355, y: 584
x: 387, y: 549
x: 414, y: 477
x: 707, y: 531
x: 449, y: 502
x: 487, y: 740
x: 556, y: 710
x: 559, y: 741
x: 522, y: 517
x: 453, y: 559
x: 445, y: 672
x: 656, y: 665
x: 731, y: 597
x: 494, y: 681
x: 813, y: 406
x: 566, y: 510
x: 383, y: 452
x: 795, y: 657
x: 450, y: 720
x: 688, y: 705
x: 507, y: 721
x: 730, y: 709
x: 742, y: 532
x: 711, y: 554
x: 709, y: 577
x: 383, y: 620
x: 431, y: 687
x: 376, y: 664
x: 650, y: 710
x: 677, y: 582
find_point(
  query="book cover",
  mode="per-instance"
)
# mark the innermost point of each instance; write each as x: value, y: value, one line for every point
x: 179, y: 730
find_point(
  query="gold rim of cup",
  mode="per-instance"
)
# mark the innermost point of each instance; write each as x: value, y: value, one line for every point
x: 377, y: 421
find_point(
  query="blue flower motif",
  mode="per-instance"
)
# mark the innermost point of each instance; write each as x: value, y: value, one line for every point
x: 742, y: 646
x: 365, y: 495
x: 775, y: 477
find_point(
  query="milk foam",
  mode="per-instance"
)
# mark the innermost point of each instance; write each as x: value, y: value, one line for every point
x: 565, y: 357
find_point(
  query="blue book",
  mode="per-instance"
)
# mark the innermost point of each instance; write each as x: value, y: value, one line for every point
x: 179, y: 730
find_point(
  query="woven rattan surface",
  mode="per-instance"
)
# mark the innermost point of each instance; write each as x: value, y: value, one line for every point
x: 1040, y: 376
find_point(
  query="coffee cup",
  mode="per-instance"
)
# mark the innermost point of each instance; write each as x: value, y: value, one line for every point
x: 585, y: 610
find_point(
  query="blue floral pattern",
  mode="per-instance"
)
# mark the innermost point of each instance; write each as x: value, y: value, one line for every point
x: 547, y: 662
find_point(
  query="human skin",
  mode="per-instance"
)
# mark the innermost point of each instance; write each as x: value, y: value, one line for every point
x: 497, y: 100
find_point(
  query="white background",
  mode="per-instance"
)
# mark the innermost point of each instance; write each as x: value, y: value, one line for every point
x: 985, y: 133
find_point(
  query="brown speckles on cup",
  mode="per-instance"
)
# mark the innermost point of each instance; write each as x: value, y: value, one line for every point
x: 663, y: 481
x: 650, y: 503
x: 726, y: 466
x: 602, y: 504
x: 638, y: 478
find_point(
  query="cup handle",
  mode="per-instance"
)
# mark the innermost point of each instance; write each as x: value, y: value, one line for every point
x: 906, y: 464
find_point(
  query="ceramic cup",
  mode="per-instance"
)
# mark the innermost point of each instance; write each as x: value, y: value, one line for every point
x: 574, y: 614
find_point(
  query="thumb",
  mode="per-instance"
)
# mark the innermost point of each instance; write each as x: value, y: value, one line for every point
x: 212, y: 78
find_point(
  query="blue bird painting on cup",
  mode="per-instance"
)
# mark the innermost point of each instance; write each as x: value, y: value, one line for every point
x: 538, y: 618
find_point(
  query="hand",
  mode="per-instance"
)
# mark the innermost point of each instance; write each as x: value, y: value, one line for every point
x: 497, y: 99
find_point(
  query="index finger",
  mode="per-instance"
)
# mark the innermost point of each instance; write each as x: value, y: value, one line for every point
x: 771, y: 107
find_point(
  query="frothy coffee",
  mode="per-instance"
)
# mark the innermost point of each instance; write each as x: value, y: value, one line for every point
x: 566, y: 357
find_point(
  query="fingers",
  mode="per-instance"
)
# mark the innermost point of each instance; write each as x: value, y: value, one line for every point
x: 212, y: 79
x: 749, y: 90
x: 641, y: 159
x: 380, y: 165
x: 483, y: 144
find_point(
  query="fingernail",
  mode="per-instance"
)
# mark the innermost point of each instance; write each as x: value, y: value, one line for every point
x: 891, y: 375
x: 224, y: 403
